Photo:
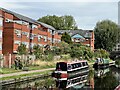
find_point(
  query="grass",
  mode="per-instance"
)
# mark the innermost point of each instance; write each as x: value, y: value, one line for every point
x: 8, y: 70
x: 37, y: 66
x: 24, y: 75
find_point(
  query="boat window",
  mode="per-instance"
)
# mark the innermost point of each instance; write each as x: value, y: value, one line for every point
x: 79, y: 64
x: 73, y: 66
x: 69, y: 67
x: 84, y: 63
x: 61, y: 66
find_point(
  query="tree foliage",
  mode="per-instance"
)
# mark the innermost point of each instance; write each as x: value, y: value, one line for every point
x: 106, y: 35
x: 78, y: 51
x: 22, y: 49
x: 66, y: 22
x: 66, y: 38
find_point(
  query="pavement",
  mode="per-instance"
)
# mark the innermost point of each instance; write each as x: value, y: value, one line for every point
x: 24, y: 72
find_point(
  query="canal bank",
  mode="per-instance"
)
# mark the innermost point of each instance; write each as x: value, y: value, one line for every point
x: 24, y: 76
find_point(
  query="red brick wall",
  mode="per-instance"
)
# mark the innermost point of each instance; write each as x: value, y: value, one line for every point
x: 1, y: 28
x: 8, y: 38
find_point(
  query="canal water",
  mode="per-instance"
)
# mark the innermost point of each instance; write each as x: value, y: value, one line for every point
x: 102, y: 79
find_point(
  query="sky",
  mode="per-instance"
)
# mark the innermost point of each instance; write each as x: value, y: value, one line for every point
x: 85, y: 12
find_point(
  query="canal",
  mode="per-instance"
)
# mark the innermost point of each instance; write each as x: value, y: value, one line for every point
x: 102, y: 79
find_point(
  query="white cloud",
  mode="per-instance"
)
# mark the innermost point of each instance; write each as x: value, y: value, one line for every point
x: 59, y: 1
x: 85, y: 13
x: 11, y: 5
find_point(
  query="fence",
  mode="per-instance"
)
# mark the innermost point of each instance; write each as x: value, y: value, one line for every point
x: 8, y: 60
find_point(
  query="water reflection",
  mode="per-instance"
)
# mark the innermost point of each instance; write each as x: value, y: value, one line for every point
x: 101, y: 79
x: 105, y: 79
x: 74, y: 80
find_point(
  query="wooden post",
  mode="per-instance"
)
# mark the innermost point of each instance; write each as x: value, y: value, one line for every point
x: 10, y: 60
x: 1, y: 62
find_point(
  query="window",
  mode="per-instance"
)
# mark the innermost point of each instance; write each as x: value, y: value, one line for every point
x: 39, y: 38
x: 0, y: 34
x: 34, y: 26
x: 25, y: 23
x: 0, y: 46
x: 18, y: 21
x: 31, y: 36
x: 26, y: 44
x: 1, y: 22
x: 8, y: 20
x: 25, y: 34
x: 17, y: 42
x: 18, y: 32
x: 49, y: 30
x: 45, y: 38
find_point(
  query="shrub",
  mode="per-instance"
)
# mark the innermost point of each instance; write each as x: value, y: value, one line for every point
x: 101, y: 53
x: 37, y: 51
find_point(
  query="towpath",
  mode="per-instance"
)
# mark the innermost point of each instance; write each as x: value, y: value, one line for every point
x: 25, y: 72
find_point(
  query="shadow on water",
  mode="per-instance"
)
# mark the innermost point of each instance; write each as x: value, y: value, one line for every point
x: 101, y: 79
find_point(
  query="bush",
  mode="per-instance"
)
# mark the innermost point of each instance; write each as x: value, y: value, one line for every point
x: 48, y: 57
x: 117, y: 62
x: 101, y: 53
x: 37, y: 50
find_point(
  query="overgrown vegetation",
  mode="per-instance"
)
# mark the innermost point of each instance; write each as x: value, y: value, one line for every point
x: 37, y: 51
x: 66, y: 38
x: 22, y: 49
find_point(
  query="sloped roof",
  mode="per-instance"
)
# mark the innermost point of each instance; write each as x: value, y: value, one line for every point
x: 27, y: 19
x: 77, y: 36
x: 84, y: 33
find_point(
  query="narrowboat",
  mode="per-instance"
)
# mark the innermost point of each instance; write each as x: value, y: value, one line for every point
x: 65, y: 70
x: 101, y: 63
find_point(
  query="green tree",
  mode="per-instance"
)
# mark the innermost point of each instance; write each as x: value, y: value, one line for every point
x: 66, y: 38
x: 106, y: 35
x: 22, y: 49
x: 37, y: 50
x: 66, y: 22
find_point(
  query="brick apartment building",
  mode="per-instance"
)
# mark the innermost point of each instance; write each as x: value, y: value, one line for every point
x: 85, y: 37
x: 16, y: 29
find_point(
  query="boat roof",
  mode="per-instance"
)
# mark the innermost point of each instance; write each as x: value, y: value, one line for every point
x: 75, y: 61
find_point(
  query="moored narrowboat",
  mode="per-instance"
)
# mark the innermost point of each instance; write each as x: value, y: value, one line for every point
x: 101, y: 63
x: 66, y: 69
